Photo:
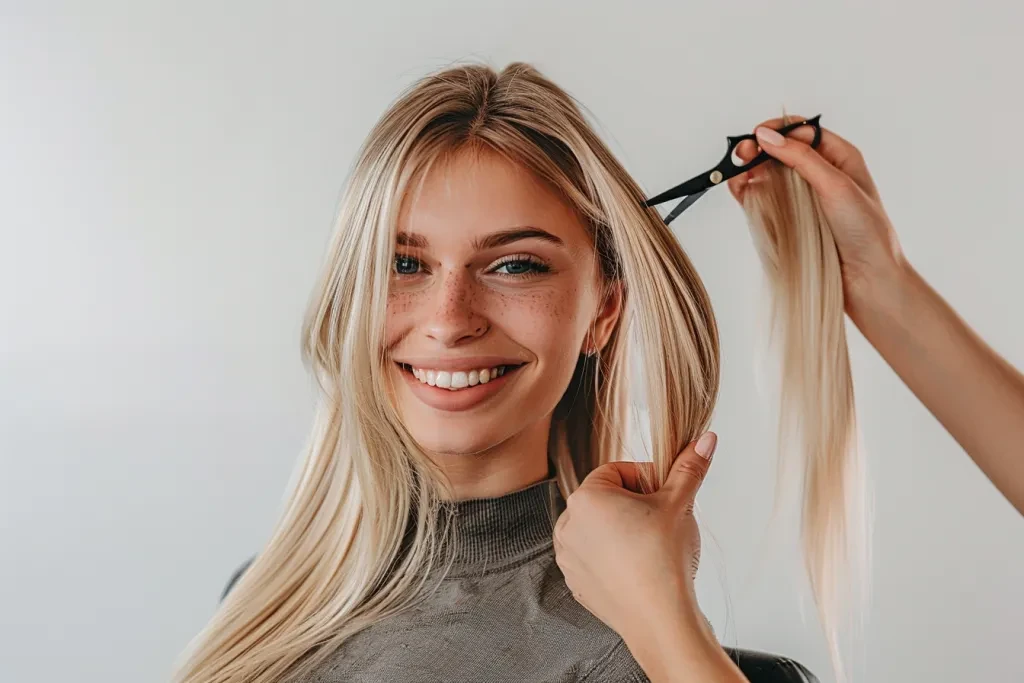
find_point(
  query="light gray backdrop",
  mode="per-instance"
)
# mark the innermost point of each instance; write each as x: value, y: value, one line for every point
x: 168, y: 175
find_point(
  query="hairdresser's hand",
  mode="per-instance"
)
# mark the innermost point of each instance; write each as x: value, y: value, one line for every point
x: 868, y: 248
x: 629, y: 557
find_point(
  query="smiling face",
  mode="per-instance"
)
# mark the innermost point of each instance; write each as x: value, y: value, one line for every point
x: 493, y: 269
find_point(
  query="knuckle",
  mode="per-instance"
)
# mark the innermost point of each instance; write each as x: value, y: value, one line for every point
x: 560, y: 555
x: 581, y: 498
x: 693, y: 470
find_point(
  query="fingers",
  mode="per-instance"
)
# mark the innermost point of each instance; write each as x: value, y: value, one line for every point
x: 826, y: 179
x: 690, y: 467
x: 624, y: 474
x: 556, y: 531
x: 745, y: 151
x: 832, y: 147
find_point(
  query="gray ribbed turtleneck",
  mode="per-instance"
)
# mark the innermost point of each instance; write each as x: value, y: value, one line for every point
x: 503, y: 613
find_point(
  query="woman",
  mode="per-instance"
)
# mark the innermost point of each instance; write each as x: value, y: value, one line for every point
x: 469, y: 334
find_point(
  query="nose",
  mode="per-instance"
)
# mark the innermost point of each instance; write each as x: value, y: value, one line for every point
x: 453, y: 316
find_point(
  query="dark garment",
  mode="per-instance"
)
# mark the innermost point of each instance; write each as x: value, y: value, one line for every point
x: 504, y: 613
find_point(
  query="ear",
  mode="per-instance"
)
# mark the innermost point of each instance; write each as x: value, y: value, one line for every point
x: 607, y: 316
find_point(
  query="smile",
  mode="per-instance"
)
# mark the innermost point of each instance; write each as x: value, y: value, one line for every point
x: 458, y: 379
x: 459, y: 390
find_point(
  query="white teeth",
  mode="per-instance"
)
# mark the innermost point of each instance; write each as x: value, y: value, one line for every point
x: 460, y: 379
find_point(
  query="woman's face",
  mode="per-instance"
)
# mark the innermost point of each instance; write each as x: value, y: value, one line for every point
x: 493, y: 271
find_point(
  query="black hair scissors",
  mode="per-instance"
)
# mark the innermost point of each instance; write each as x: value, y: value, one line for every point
x: 694, y: 188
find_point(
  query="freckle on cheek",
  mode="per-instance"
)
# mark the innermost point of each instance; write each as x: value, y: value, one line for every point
x: 552, y: 305
x: 399, y: 303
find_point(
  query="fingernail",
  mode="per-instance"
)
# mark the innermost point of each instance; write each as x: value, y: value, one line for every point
x: 706, y: 445
x: 769, y: 136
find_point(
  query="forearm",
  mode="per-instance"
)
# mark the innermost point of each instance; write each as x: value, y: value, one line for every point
x: 680, y: 648
x: 976, y: 395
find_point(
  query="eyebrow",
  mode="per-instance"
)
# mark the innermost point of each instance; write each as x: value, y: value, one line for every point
x: 491, y: 241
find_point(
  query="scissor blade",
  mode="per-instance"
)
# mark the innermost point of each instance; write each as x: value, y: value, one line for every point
x: 681, y: 206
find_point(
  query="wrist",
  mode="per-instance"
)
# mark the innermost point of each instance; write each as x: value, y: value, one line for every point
x: 880, y: 293
x: 679, y: 648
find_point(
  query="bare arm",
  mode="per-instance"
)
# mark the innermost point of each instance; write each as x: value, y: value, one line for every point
x: 680, y: 648
x: 976, y: 395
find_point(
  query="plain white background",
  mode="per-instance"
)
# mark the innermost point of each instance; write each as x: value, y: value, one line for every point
x: 168, y: 176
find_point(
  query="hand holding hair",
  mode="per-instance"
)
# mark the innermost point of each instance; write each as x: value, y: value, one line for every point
x: 630, y: 558
x: 866, y: 241
x: 971, y: 390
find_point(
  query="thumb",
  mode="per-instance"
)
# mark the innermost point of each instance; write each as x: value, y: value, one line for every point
x: 690, y: 467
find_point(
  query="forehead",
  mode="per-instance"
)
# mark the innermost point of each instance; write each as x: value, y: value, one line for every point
x: 479, y: 191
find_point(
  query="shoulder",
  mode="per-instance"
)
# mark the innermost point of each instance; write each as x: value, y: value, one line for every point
x: 235, y: 577
x: 762, y: 667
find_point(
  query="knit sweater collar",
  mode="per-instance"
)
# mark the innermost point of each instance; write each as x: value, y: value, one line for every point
x: 501, y: 531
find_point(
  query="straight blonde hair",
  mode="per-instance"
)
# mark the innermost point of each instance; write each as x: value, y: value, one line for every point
x: 818, y: 438
x: 364, y: 523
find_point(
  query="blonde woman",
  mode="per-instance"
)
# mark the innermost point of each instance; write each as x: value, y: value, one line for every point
x: 463, y: 512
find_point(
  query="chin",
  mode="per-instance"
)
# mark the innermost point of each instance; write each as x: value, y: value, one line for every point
x: 453, y: 444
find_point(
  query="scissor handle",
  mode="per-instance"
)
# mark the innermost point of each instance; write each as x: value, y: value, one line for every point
x: 726, y: 169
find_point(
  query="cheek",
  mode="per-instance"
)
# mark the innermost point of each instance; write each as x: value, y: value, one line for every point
x: 545, y: 320
x: 398, y: 317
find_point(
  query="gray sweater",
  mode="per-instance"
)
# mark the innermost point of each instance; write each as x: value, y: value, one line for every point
x: 504, y: 613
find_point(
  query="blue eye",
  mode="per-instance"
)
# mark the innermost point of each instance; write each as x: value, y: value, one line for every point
x: 406, y: 265
x: 517, y: 266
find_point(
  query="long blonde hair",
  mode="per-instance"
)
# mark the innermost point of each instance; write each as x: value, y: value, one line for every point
x: 818, y: 437
x: 363, y: 524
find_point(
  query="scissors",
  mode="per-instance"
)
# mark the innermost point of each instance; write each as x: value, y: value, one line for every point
x: 694, y: 188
